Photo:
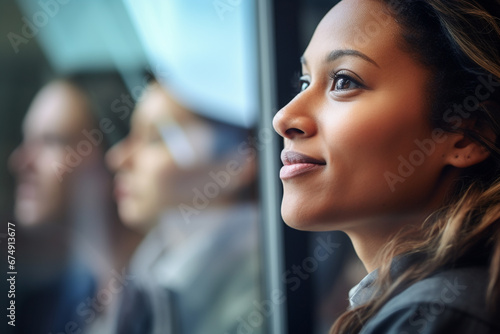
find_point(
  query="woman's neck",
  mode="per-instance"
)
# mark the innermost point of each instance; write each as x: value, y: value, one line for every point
x: 370, y: 237
x: 370, y: 240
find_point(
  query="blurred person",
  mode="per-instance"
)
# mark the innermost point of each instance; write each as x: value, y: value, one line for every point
x: 63, y: 206
x: 181, y: 180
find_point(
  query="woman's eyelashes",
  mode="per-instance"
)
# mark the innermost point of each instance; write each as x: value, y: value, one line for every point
x: 344, y: 82
x: 300, y: 83
x: 304, y: 82
x: 341, y: 81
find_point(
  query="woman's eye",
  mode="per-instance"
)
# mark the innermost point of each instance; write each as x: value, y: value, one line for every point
x: 154, y: 139
x: 152, y: 136
x: 344, y: 82
x: 303, y: 83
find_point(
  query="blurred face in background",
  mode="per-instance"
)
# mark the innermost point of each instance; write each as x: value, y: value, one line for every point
x: 152, y: 175
x: 55, y: 119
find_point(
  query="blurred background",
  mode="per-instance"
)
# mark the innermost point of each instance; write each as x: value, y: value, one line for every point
x: 93, y: 95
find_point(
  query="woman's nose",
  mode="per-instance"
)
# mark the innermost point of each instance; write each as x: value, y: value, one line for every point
x: 118, y: 155
x: 294, y: 120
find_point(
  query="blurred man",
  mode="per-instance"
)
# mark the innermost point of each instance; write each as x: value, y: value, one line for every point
x: 54, y: 121
x: 63, y: 208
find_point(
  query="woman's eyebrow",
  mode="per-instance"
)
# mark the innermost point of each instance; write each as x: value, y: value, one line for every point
x: 336, y: 54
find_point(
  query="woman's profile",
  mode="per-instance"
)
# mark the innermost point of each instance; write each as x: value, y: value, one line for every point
x: 394, y: 139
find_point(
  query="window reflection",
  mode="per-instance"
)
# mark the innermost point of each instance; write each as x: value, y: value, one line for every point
x: 138, y: 203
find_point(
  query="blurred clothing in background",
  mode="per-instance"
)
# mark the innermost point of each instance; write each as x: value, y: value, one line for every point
x: 196, y: 278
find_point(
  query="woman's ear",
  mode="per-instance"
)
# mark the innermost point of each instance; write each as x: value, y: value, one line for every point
x: 465, y: 152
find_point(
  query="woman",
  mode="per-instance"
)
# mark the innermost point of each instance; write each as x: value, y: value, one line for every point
x: 181, y: 180
x: 393, y: 139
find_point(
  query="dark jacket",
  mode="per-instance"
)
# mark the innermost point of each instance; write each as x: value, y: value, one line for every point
x: 450, y: 301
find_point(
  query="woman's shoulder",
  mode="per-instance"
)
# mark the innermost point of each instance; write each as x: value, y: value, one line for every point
x: 451, y: 301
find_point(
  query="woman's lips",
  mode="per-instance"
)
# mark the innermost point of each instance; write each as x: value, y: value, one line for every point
x: 121, y: 192
x: 295, y: 164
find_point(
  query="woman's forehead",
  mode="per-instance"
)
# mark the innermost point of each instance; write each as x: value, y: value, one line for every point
x: 361, y: 25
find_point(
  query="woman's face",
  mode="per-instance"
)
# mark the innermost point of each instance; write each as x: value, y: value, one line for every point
x: 148, y: 177
x: 361, y: 111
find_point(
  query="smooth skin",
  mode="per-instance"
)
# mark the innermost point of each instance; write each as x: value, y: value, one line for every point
x: 148, y: 179
x: 363, y: 104
x: 55, y: 120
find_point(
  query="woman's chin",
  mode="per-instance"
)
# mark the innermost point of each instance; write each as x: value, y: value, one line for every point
x: 299, y: 221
